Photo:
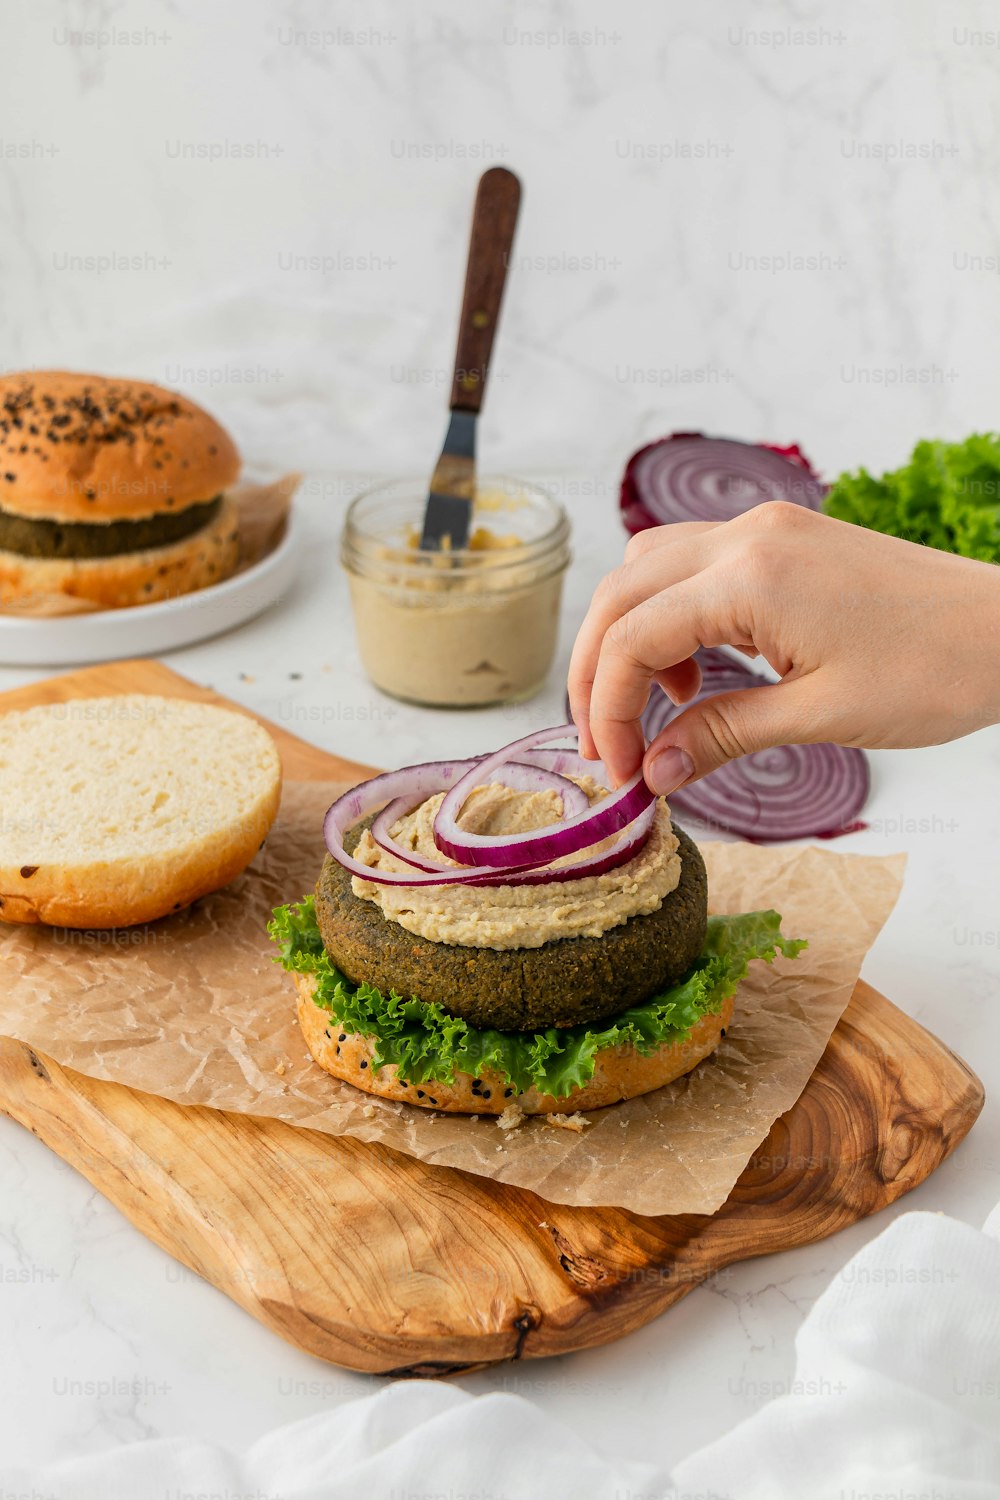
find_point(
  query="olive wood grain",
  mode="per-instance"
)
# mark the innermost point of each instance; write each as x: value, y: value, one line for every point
x: 379, y: 1262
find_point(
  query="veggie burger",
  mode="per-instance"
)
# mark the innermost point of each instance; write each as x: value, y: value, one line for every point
x: 112, y: 491
x: 507, y: 931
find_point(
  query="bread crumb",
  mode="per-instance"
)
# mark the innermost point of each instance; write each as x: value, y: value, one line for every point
x: 576, y: 1122
x: 511, y: 1117
x: 280, y: 1070
x: 473, y: 1117
x: 369, y: 1111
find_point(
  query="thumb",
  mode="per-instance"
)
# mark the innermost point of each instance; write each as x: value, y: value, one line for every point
x: 727, y: 725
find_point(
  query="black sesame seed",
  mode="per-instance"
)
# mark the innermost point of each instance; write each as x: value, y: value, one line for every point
x: 507, y: 1093
x: 342, y: 1037
x: 723, y: 1032
x: 420, y: 1093
x: 27, y: 871
x: 486, y: 1093
x: 326, y: 1033
x: 430, y: 1100
x: 364, y: 1064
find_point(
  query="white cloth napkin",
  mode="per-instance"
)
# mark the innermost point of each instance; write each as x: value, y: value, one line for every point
x: 896, y: 1397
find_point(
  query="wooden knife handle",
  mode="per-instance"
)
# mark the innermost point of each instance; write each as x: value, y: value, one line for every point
x: 493, y: 219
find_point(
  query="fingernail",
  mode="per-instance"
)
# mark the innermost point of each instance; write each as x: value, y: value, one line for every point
x: 668, y: 769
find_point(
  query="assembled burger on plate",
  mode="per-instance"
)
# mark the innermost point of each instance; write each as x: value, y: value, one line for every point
x: 111, y: 491
x: 508, y: 931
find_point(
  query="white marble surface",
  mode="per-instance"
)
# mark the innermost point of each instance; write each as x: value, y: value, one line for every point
x: 888, y: 333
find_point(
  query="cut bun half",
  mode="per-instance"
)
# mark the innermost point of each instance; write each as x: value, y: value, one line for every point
x: 115, y: 811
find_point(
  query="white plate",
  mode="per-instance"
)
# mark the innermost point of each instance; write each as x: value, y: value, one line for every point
x: 150, y: 629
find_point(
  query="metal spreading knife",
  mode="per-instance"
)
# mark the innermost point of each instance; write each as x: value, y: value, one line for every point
x: 448, y: 517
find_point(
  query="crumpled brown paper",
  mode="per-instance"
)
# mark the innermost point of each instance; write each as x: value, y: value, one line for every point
x: 194, y: 1009
x: 262, y: 511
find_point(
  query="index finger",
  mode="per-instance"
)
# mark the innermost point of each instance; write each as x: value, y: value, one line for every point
x: 657, y: 634
x: 654, y: 559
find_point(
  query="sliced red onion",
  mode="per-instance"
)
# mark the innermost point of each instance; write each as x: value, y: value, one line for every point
x: 690, y: 477
x: 413, y: 781
x: 625, y: 847
x: 516, y: 775
x: 791, y: 792
x: 538, y: 845
x: 406, y: 789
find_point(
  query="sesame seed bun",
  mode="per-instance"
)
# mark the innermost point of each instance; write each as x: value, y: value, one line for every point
x: 619, y: 1072
x: 88, y: 448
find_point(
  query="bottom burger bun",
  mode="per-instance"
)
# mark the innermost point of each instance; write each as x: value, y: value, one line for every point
x: 207, y: 556
x: 620, y: 1072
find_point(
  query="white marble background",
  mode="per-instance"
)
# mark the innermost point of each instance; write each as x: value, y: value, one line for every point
x: 771, y: 222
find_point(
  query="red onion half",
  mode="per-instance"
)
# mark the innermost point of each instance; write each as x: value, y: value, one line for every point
x: 690, y: 477
x: 790, y: 792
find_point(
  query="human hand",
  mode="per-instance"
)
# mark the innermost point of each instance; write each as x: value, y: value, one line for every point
x: 878, y: 642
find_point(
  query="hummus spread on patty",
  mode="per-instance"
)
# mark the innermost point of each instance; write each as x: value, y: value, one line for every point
x: 518, y: 916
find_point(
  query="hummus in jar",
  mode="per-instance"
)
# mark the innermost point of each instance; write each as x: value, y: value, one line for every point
x: 457, y: 629
x: 518, y: 916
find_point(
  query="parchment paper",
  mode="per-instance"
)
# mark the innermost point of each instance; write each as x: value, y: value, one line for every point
x: 262, y: 510
x: 194, y: 1009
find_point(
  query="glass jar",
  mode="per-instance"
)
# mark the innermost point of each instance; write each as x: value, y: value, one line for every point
x: 457, y: 629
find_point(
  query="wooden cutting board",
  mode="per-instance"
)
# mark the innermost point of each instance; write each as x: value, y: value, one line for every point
x: 378, y: 1262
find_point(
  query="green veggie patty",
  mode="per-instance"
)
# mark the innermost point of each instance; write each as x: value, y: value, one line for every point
x: 427, y: 1045
x: 563, y: 983
x: 81, y: 539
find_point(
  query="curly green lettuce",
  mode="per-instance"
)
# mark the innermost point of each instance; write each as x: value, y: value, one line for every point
x: 947, y: 496
x: 429, y: 1046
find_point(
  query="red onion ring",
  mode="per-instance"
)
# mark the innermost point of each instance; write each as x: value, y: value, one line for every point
x: 625, y: 847
x: 538, y: 845
x: 409, y: 787
x: 770, y: 796
x: 690, y: 477
x: 516, y: 775
x: 341, y: 816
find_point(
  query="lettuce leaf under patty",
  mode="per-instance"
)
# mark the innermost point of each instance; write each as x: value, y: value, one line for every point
x: 429, y: 1046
